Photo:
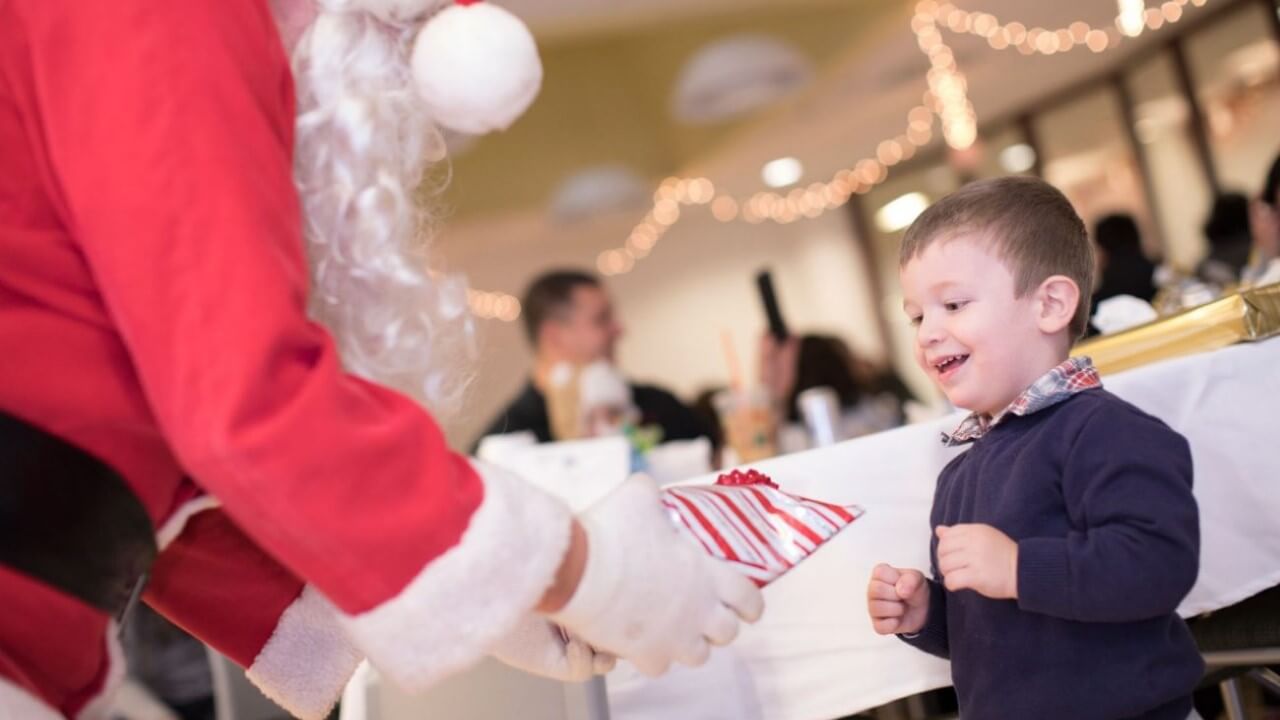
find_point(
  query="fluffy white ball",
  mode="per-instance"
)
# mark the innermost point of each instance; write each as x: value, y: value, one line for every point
x: 477, y: 68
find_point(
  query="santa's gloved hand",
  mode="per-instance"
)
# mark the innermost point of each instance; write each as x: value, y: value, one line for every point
x: 536, y: 645
x: 649, y: 595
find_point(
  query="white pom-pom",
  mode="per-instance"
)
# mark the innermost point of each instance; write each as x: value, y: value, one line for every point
x: 477, y: 68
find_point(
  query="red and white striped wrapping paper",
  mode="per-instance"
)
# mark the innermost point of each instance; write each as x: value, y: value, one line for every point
x: 746, y: 519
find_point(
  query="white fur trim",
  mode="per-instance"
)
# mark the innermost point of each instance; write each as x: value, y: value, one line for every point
x: 18, y: 703
x: 308, y: 659
x: 99, y: 706
x: 476, y: 67
x: 172, y: 527
x: 463, y: 601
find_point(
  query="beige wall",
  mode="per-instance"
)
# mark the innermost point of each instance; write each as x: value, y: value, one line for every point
x: 697, y: 282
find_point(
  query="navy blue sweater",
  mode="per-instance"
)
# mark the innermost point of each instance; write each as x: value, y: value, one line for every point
x: 1097, y: 494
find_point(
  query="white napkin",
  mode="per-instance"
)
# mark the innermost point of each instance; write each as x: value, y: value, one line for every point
x: 1122, y: 312
x: 580, y: 472
x: 679, y: 460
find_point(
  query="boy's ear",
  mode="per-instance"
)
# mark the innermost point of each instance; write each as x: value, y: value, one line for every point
x: 1056, y: 301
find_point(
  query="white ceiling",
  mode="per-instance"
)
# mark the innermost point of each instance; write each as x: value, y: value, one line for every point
x: 863, y: 97
x: 553, y: 19
x: 866, y: 98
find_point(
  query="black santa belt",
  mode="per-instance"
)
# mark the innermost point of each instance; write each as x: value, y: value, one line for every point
x: 69, y: 520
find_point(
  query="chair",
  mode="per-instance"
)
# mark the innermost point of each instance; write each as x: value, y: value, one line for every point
x: 1239, y: 642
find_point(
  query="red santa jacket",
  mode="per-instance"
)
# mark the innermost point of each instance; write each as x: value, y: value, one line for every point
x: 152, y: 312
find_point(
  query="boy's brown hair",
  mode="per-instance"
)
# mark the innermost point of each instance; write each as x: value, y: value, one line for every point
x: 1031, y: 225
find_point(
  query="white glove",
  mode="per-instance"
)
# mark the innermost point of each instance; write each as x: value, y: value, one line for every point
x: 649, y: 595
x: 536, y: 645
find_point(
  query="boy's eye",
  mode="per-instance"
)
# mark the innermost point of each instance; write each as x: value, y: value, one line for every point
x: 915, y: 320
x: 955, y: 305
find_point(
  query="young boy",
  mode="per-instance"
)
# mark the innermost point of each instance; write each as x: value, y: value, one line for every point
x: 1066, y: 536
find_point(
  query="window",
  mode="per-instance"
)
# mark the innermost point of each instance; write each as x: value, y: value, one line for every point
x: 1163, y: 124
x: 1233, y: 66
x: 1086, y: 155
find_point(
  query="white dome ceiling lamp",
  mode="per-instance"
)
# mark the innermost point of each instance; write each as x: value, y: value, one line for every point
x: 599, y: 190
x: 900, y: 212
x: 736, y: 75
x: 1018, y: 158
x: 782, y: 172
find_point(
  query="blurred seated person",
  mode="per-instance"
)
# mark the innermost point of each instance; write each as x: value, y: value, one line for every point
x: 1230, y: 242
x: 571, y: 325
x: 704, y: 407
x: 1123, y: 268
x: 871, y: 398
x: 1264, y: 226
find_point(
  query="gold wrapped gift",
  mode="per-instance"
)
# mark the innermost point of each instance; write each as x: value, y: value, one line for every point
x: 1248, y: 315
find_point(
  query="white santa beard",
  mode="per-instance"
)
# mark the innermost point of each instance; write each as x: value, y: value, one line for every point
x: 363, y: 145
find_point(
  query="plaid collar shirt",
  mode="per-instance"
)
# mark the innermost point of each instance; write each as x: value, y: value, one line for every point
x: 1072, y: 376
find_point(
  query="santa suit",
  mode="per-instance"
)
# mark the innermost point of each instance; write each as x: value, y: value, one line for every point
x: 152, y: 313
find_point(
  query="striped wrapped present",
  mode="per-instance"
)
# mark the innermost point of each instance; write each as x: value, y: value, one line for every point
x: 746, y: 519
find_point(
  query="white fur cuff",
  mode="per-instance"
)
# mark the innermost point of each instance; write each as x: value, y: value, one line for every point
x: 460, y: 604
x: 308, y: 660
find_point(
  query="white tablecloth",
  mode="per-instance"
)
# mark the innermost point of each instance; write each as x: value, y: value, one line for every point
x: 814, y: 656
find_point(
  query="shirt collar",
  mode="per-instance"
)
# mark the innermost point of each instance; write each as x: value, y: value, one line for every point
x: 1070, y: 377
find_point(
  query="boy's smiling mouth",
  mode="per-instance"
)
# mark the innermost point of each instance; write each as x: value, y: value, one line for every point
x: 947, y: 365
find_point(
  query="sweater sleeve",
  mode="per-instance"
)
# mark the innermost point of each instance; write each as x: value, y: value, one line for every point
x: 1134, y: 551
x: 932, y: 638
x: 168, y: 128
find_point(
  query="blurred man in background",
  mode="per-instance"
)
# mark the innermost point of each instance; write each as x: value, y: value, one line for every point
x: 571, y: 325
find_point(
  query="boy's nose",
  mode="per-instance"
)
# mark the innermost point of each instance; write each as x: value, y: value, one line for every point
x: 929, y: 334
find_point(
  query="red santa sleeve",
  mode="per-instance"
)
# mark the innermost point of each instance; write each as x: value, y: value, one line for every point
x: 221, y: 587
x: 169, y: 130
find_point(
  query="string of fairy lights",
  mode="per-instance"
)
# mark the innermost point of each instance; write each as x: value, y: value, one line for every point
x: 946, y: 101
